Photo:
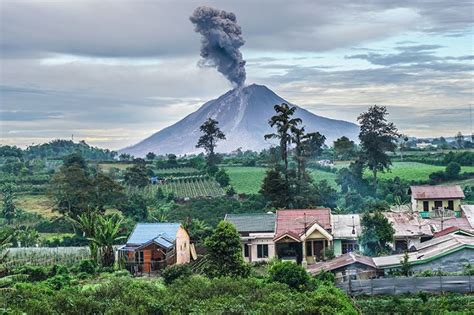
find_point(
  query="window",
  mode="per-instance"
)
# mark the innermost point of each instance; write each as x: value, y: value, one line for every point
x: 426, y: 206
x: 309, y: 248
x: 139, y: 257
x: 450, y: 204
x: 262, y: 251
x: 438, y: 204
x: 349, y: 247
x: 246, y: 250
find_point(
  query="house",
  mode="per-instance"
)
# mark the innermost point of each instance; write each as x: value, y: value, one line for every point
x: 346, y: 230
x: 409, y: 229
x: 453, y: 230
x: 448, y: 253
x: 468, y: 213
x: 303, y: 235
x: 256, y: 234
x: 427, y: 199
x: 347, y: 266
x: 152, y: 246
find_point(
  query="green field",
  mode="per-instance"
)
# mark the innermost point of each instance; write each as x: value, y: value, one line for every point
x: 248, y: 180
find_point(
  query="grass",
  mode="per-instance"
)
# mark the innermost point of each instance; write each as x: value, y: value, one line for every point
x: 39, y: 204
x: 105, y: 167
x: 248, y: 180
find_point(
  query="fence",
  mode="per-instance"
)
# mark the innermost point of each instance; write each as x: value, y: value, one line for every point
x: 396, y: 286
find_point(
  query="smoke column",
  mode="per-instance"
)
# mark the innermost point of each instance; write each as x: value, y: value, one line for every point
x: 220, y: 43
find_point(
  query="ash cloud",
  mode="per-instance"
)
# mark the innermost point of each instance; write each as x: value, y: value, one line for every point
x: 220, y: 43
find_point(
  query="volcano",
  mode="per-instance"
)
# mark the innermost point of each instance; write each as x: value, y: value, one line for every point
x: 243, y: 115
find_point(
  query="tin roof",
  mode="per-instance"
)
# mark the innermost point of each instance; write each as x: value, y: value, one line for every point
x: 343, y: 224
x: 341, y: 261
x: 432, y: 249
x: 408, y: 224
x: 294, y: 221
x: 437, y: 192
x: 252, y: 222
x: 147, y: 232
x: 468, y: 211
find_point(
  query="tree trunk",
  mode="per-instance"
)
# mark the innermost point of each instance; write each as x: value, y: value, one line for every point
x: 375, y: 181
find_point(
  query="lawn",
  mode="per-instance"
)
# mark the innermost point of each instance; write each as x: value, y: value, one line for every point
x: 105, y: 167
x: 248, y: 180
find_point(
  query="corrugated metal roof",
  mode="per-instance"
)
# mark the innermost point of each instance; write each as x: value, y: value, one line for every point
x: 343, y: 224
x: 436, y: 192
x: 438, y: 246
x: 408, y: 224
x: 293, y: 221
x: 468, y: 211
x: 146, y: 232
x: 341, y: 261
x: 252, y: 222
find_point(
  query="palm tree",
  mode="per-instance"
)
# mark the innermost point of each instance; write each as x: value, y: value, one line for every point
x: 106, y: 235
x: 86, y: 222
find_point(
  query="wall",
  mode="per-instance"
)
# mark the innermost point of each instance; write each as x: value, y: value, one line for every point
x: 337, y: 247
x: 183, y: 254
x: 253, y: 249
x: 419, y: 204
x: 450, y: 263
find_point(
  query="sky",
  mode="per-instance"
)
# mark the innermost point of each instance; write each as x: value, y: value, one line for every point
x: 114, y: 72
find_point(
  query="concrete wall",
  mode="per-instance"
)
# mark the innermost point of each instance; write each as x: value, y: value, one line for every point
x: 417, y: 205
x: 451, y: 263
x: 253, y: 249
x: 183, y: 255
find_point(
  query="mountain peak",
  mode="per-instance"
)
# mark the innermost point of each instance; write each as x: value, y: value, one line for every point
x: 243, y: 115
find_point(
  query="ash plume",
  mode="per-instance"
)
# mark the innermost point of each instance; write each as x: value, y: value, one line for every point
x: 220, y: 43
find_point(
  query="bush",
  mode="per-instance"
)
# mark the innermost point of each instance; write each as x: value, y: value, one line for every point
x: 287, y: 272
x: 87, y: 266
x: 174, y: 272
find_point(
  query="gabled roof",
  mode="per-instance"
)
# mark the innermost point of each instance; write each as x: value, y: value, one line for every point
x: 408, y: 224
x: 162, y: 233
x: 252, y: 222
x: 341, y: 261
x: 437, y: 192
x: 294, y: 221
x: 343, y: 224
x: 451, y: 230
x: 428, y: 251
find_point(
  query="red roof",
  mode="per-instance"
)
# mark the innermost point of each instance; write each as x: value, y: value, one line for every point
x: 460, y: 223
x: 341, y: 261
x: 436, y: 192
x: 450, y: 230
x: 293, y: 221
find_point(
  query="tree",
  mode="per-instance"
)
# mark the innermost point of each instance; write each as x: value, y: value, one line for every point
x: 150, y: 156
x: 377, y: 137
x: 377, y: 232
x: 172, y: 160
x: 224, y: 252
x: 9, y: 211
x: 135, y: 207
x: 405, y: 264
x: 222, y: 178
x: 452, y: 170
x: 344, y: 148
x: 137, y: 175
x: 106, y: 235
x: 125, y: 157
x: 295, y: 276
x: 211, y: 134
x: 86, y: 222
x: 459, y: 139
x: 283, y: 123
x: 275, y: 188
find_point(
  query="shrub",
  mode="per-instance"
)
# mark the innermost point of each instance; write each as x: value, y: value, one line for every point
x: 174, y: 272
x: 87, y: 266
x: 295, y: 276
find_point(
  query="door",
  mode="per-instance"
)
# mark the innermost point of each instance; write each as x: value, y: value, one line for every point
x: 318, y: 249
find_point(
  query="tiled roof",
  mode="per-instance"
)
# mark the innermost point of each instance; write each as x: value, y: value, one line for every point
x: 341, y: 261
x: 436, y: 192
x: 435, y: 247
x: 293, y: 221
x: 343, y: 224
x: 146, y: 232
x: 252, y: 222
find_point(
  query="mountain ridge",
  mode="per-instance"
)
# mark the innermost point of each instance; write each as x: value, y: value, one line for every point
x: 243, y: 115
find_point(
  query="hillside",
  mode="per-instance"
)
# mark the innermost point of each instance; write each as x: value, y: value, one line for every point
x: 243, y: 114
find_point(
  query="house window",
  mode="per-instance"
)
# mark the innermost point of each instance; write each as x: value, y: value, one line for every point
x: 139, y: 257
x: 309, y: 248
x: 426, y: 206
x: 438, y: 204
x: 262, y: 251
x: 450, y: 204
x: 246, y: 250
x: 349, y: 247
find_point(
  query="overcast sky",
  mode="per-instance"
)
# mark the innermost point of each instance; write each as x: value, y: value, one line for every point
x: 114, y: 72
